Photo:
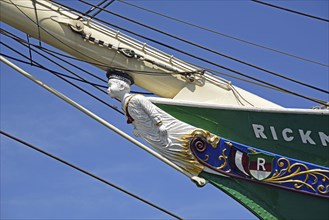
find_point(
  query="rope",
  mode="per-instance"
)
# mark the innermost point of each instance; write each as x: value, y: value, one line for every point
x: 93, y: 8
x: 89, y: 174
x: 99, y: 11
x: 210, y: 50
x: 194, y: 56
x: 56, y: 74
x: 289, y: 10
x: 37, y: 19
x: 83, y: 54
x: 222, y: 34
x: 210, y: 62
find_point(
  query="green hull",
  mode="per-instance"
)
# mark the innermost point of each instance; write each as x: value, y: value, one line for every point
x: 296, y: 134
x: 270, y: 202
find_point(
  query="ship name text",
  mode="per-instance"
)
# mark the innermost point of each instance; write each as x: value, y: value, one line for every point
x: 288, y: 135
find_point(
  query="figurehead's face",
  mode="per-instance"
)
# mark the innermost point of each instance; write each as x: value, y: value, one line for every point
x: 117, y: 88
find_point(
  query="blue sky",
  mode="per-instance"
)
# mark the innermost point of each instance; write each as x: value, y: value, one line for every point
x: 36, y: 187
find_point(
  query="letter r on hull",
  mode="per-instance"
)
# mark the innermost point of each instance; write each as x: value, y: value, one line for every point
x: 259, y: 131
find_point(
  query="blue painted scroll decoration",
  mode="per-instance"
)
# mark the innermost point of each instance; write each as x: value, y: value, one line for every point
x: 241, y: 161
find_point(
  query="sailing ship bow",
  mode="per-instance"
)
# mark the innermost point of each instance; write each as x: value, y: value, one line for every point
x: 272, y: 160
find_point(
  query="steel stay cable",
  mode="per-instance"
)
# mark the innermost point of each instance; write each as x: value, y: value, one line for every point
x: 151, y: 72
x: 55, y: 73
x: 98, y: 63
x: 145, y: 72
x: 41, y: 48
x: 206, y: 29
x: 99, y: 11
x: 209, y: 50
x: 64, y: 75
x: 196, y: 57
x: 83, y: 54
x: 8, y: 34
x: 289, y: 10
x: 50, y: 52
x: 44, y: 68
x: 93, y: 8
x: 259, y: 84
x: 18, y: 60
x: 207, y: 61
x: 29, y: 44
x: 89, y: 174
x: 105, y: 65
x: 211, y: 70
x: 28, y: 41
x: 22, y: 42
x: 222, y: 34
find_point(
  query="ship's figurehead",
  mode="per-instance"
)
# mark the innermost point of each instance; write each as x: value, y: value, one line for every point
x: 198, y: 151
x: 162, y: 131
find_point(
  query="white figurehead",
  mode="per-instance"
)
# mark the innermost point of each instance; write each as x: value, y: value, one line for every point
x: 162, y: 131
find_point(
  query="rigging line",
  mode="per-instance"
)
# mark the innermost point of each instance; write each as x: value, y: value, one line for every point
x: 289, y: 10
x: 84, y: 81
x: 16, y: 59
x: 224, y: 35
x: 89, y: 62
x: 8, y: 34
x: 37, y: 19
x: 46, y: 50
x: 93, y: 8
x: 238, y: 78
x: 279, y: 88
x: 210, y: 62
x: 70, y: 77
x: 151, y: 72
x: 38, y: 47
x: 54, y: 72
x: 27, y: 7
x: 30, y: 52
x: 211, y: 50
x: 81, y: 80
x: 57, y: 64
x: 89, y: 174
x: 236, y: 91
x: 72, y: 48
x: 259, y: 84
x: 100, y: 10
x: 73, y: 65
x: 51, y: 52
x: 44, y: 68
x: 95, y: 117
x: 64, y: 75
x: 215, y: 64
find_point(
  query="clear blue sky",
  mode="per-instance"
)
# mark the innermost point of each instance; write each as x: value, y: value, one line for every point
x: 36, y: 187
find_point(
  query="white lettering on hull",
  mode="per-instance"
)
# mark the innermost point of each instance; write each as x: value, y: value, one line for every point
x: 285, y: 134
x: 324, y: 138
x: 288, y: 135
x: 259, y: 131
x: 305, y: 136
x: 275, y: 137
